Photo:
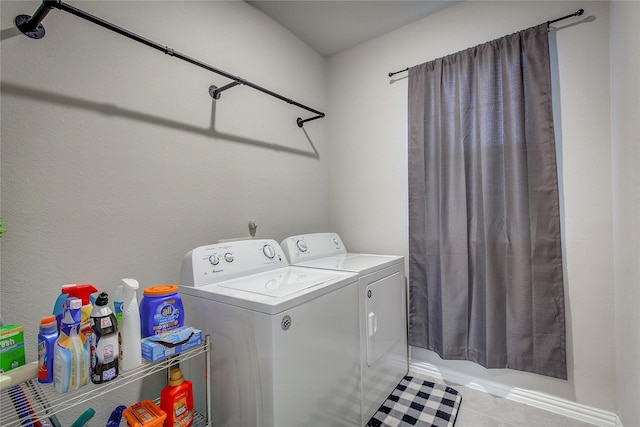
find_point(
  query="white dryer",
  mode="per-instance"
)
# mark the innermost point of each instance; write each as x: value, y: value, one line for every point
x: 285, y: 339
x: 382, y: 309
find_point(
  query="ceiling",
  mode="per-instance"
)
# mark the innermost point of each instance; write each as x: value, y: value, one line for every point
x: 332, y: 26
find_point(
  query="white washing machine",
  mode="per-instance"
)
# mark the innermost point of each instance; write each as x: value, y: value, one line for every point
x: 382, y: 309
x: 285, y: 339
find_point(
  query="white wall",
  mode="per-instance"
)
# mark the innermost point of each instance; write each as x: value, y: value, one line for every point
x: 625, y: 111
x: 116, y: 161
x: 368, y: 177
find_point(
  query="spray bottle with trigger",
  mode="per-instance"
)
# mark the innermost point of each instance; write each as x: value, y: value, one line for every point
x: 82, y: 292
x: 130, y: 346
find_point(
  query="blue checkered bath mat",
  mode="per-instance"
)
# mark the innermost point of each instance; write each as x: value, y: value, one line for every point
x: 416, y: 402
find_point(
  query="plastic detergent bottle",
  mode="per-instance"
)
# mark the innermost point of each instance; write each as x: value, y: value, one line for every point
x: 71, y: 357
x: 160, y: 310
x: 130, y: 347
x: 176, y: 400
x: 83, y: 292
x: 46, y: 344
x: 105, y: 349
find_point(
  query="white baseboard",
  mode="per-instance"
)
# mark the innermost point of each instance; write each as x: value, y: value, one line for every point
x: 536, y: 399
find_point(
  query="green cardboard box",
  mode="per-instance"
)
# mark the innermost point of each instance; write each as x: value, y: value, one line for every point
x: 11, y: 347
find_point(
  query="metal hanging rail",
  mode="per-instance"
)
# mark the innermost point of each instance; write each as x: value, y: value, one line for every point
x: 576, y: 13
x: 32, y: 27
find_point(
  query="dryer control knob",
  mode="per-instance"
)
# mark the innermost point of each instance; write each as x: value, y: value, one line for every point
x: 228, y: 257
x: 268, y: 251
x: 302, y: 245
x: 213, y: 259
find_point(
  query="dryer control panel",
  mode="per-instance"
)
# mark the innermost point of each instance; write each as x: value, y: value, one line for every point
x: 307, y: 247
x: 223, y: 261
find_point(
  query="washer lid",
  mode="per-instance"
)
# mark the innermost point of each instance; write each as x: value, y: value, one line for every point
x: 274, y: 291
x: 280, y: 284
x: 359, y: 263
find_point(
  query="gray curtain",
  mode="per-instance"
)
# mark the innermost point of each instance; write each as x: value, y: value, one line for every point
x: 485, y: 261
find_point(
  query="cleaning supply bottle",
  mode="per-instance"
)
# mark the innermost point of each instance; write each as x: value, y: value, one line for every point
x: 130, y: 346
x: 176, y: 399
x: 47, y: 338
x: 118, y: 302
x: 83, y: 292
x: 105, y: 349
x: 161, y: 310
x: 71, y: 356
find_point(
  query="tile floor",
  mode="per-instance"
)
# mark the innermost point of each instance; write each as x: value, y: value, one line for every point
x: 480, y: 409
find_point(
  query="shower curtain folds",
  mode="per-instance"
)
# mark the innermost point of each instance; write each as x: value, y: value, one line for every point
x: 485, y: 263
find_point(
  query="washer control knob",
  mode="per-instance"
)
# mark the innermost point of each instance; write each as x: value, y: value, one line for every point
x: 268, y: 251
x: 302, y: 245
x: 336, y: 241
x: 213, y: 259
x: 228, y: 257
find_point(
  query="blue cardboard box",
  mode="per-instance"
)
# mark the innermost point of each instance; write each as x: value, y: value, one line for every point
x: 166, y: 344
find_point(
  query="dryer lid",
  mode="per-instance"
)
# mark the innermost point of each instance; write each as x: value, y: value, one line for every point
x: 359, y: 263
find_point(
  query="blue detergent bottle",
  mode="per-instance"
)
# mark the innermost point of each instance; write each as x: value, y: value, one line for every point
x: 71, y: 356
x: 47, y: 338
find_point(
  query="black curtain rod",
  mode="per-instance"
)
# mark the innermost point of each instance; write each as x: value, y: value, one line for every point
x: 576, y: 13
x: 32, y: 27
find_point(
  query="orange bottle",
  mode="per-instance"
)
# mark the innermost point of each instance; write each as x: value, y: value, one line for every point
x: 176, y: 399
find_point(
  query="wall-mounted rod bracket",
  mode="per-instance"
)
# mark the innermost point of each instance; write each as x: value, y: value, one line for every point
x: 216, y: 91
x: 302, y: 122
x: 32, y: 27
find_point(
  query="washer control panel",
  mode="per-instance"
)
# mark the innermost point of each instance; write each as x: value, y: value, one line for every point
x: 223, y: 261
